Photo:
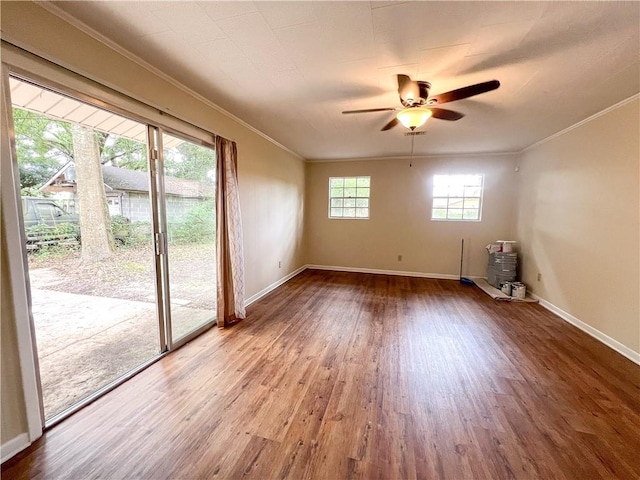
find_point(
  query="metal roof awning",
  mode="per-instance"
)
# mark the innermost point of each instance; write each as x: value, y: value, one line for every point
x: 59, y: 107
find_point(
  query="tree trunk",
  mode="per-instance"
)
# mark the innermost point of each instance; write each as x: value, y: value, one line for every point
x: 95, y: 223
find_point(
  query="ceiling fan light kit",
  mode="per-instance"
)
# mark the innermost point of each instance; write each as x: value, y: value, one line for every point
x: 414, y: 117
x: 414, y: 95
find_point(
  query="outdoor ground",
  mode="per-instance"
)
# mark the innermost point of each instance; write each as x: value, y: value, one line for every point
x: 96, y: 321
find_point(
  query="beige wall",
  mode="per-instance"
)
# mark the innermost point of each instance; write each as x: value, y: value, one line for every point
x: 271, y: 179
x: 399, y: 222
x: 272, y: 202
x: 578, y: 222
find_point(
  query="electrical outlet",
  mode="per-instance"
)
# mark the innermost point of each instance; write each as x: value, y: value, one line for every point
x: 539, y: 276
x: 399, y: 258
x: 279, y: 263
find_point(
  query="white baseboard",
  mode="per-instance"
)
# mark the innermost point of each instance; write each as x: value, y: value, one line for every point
x: 594, y: 332
x: 13, y: 446
x: 273, y: 286
x: 288, y: 277
x: 442, y: 276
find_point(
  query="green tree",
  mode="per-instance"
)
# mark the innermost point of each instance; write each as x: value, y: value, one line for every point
x: 44, y: 145
x: 40, y: 152
x: 190, y: 162
x: 122, y: 152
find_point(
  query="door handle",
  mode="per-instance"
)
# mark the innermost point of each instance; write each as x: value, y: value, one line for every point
x: 161, y: 244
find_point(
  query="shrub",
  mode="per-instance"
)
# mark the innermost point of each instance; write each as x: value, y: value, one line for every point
x: 45, y: 252
x: 130, y: 234
x: 197, y: 226
x: 64, y: 235
x: 120, y: 225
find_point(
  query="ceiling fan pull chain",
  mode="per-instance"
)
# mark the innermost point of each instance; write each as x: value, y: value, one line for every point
x: 411, y: 159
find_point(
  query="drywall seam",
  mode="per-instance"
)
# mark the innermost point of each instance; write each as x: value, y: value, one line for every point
x: 273, y: 286
x: 159, y: 73
x: 581, y: 122
x: 441, y: 276
x: 594, y: 332
x: 13, y: 446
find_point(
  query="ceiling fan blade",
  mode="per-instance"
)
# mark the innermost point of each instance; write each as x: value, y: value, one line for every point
x: 408, y: 90
x: 465, y: 92
x: 367, y: 110
x: 394, y: 121
x: 444, y: 114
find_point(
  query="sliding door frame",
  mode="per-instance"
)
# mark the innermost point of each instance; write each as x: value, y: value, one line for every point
x: 13, y: 226
x: 30, y: 68
x: 162, y: 235
x: 159, y: 244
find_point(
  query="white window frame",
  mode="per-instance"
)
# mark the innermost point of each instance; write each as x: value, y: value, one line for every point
x: 466, y: 184
x: 333, y: 199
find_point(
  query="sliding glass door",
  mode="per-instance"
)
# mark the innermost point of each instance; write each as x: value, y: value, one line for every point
x: 119, y: 234
x: 188, y: 188
x: 84, y: 184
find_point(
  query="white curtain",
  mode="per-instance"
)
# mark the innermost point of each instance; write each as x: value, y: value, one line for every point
x: 230, y: 265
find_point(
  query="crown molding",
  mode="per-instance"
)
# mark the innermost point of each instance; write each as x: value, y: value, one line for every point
x: 415, y: 157
x: 581, y: 122
x: 55, y: 10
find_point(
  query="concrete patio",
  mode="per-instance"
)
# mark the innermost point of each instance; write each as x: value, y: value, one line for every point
x: 85, y: 341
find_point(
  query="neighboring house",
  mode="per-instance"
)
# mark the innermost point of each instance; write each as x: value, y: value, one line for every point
x: 128, y: 192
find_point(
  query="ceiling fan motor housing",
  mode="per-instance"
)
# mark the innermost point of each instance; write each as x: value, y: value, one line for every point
x: 416, y: 93
x: 418, y: 107
x: 424, y: 88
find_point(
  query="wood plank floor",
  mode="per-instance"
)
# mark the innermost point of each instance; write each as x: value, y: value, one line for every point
x: 342, y: 375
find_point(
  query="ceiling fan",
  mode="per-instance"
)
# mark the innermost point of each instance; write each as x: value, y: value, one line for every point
x: 419, y: 106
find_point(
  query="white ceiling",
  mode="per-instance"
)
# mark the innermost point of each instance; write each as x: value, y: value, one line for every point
x: 289, y: 68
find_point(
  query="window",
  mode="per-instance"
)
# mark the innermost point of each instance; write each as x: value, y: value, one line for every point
x: 457, y: 197
x: 349, y: 197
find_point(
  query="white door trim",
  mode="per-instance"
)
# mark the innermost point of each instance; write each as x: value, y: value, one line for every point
x: 11, y: 217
